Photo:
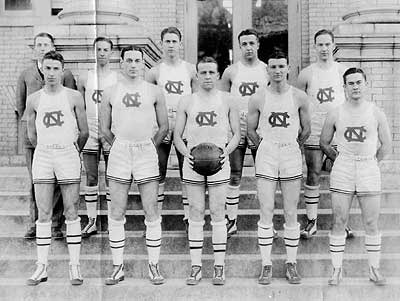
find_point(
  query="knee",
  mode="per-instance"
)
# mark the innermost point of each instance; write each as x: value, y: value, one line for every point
x: 196, y: 214
x: 92, y: 179
x: 313, y: 177
x: 70, y: 213
x: 218, y: 214
x: 371, y: 227
x: 291, y: 217
x: 236, y: 176
x: 117, y: 214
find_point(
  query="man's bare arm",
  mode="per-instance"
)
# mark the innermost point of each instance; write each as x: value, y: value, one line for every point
x: 384, y: 136
x: 180, y: 125
x: 303, y: 79
x: 105, y: 116
x: 327, y: 133
x: 152, y: 75
x: 31, y: 118
x: 304, y: 116
x: 69, y: 80
x: 21, y: 95
x: 162, y: 118
x: 81, y: 120
x: 253, y: 116
x: 226, y: 80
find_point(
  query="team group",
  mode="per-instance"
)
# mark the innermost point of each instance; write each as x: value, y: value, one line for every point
x: 134, y: 120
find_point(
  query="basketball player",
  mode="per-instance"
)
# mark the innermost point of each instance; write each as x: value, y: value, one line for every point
x: 281, y: 114
x: 363, y: 139
x: 207, y: 116
x: 92, y: 85
x: 176, y: 78
x: 242, y: 79
x: 30, y: 81
x: 129, y: 108
x: 323, y: 82
x: 58, y: 130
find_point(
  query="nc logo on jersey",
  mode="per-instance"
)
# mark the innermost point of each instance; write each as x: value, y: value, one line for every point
x: 248, y: 88
x: 53, y: 118
x: 131, y: 100
x: 355, y: 134
x: 279, y: 119
x: 206, y: 118
x: 325, y: 95
x: 174, y: 87
x: 97, y: 95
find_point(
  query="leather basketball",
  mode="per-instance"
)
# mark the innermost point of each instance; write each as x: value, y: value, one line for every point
x: 206, y: 159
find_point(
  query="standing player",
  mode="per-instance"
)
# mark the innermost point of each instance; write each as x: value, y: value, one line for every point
x: 242, y: 79
x: 92, y: 85
x: 30, y: 81
x: 323, y: 82
x: 176, y: 78
x: 281, y: 114
x: 129, y: 108
x: 57, y: 128
x: 207, y: 116
x: 363, y: 139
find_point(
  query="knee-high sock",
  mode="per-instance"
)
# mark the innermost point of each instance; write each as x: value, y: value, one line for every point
x: 265, y: 239
x: 91, y: 195
x: 117, y: 240
x: 292, y: 236
x: 108, y: 199
x: 43, y: 240
x: 185, y: 201
x: 74, y: 240
x: 153, y: 240
x: 232, y: 202
x: 196, y: 237
x: 336, y: 247
x: 219, y: 241
x: 373, y: 246
x: 160, y: 198
x: 311, y: 198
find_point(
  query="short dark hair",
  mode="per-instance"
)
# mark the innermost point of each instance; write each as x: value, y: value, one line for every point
x: 206, y: 59
x: 277, y: 53
x: 44, y: 35
x: 103, y: 39
x: 248, y: 32
x: 131, y: 48
x: 55, y: 56
x: 171, y: 29
x: 322, y: 32
x: 351, y: 71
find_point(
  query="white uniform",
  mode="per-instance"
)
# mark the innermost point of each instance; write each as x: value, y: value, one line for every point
x: 133, y: 153
x: 356, y: 170
x: 326, y: 92
x: 93, y: 93
x: 56, y: 158
x: 278, y: 155
x: 247, y: 81
x: 207, y: 121
x: 175, y: 82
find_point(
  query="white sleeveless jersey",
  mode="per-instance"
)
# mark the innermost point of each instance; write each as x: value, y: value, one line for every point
x: 279, y: 120
x: 133, y: 112
x: 357, y: 130
x: 207, y: 120
x: 55, y: 120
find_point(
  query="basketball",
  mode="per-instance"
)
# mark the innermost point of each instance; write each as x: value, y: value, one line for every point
x: 206, y: 158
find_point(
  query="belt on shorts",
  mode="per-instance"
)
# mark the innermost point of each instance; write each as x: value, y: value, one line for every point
x: 282, y: 144
x: 134, y: 144
x: 357, y: 158
x: 54, y: 146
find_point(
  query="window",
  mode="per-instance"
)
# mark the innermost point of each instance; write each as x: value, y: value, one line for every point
x: 16, y: 5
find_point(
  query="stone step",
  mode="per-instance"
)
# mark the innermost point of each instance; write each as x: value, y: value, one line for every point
x: 176, y: 242
x: 235, y: 289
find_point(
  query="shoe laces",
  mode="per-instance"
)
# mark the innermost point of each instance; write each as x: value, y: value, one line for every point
x: 266, y: 270
x: 75, y: 271
x: 218, y: 271
x: 40, y: 269
x: 310, y: 225
x: 376, y: 274
x: 291, y: 267
x: 117, y: 270
x: 154, y: 271
x: 195, y: 271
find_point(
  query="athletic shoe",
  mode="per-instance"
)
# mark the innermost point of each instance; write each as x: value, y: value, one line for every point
x: 291, y: 273
x: 195, y: 275
x: 219, y: 275
x: 266, y: 275
x: 349, y: 233
x: 116, y: 276
x: 336, y: 277
x: 155, y: 275
x: 40, y: 275
x: 31, y: 233
x: 310, y: 229
x: 57, y: 234
x: 75, y: 274
x: 376, y: 277
x: 231, y: 227
x: 90, y: 228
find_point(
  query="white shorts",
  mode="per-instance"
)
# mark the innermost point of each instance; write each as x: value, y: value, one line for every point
x: 56, y: 163
x: 278, y: 161
x: 94, y: 144
x: 192, y: 177
x: 133, y: 160
x: 351, y: 174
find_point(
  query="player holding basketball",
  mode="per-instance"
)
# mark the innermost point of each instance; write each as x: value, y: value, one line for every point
x: 363, y: 139
x: 92, y: 84
x: 58, y: 130
x: 129, y: 108
x: 323, y: 82
x: 281, y: 114
x: 176, y: 78
x: 207, y: 116
x: 242, y: 79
